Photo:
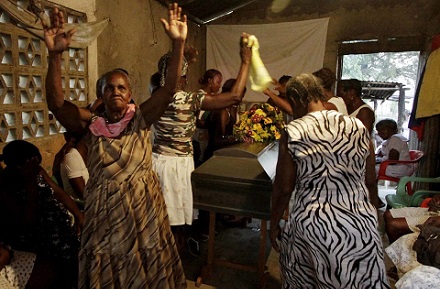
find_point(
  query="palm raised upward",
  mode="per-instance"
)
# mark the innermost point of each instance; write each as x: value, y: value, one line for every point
x: 58, y: 40
x: 176, y: 27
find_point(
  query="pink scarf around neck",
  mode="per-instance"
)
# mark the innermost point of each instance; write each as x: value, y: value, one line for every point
x: 100, y: 127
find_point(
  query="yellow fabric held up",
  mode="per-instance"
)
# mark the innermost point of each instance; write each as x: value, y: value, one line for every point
x: 429, y: 97
x: 258, y: 74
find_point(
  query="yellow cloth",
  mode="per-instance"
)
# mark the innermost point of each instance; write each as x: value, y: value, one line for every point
x: 429, y: 97
x: 258, y: 74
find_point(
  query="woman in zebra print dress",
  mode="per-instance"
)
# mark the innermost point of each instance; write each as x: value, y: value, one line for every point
x: 330, y: 239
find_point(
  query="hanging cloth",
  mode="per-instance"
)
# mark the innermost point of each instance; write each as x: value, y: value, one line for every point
x: 31, y: 22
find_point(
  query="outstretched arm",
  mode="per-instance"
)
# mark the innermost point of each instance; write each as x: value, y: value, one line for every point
x: 64, y: 199
x: 223, y: 100
x: 176, y: 29
x: 280, y: 102
x: 57, y: 41
x: 284, y: 183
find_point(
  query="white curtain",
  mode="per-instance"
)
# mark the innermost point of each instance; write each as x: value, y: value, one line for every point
x: 288, y: 48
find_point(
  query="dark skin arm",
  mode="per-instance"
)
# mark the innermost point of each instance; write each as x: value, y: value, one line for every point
x: 225, y: 99
x: 330, y: 106
x: 283, y: 186
x: 64, y: 199
x: 280, y: 102
x: 220, y: 132
x: 367, y: 117
x: 176, y: 29
x: 370, y: 177
x: 78, y: 184
x: 393, y: 155
x: 57, y: 41
x: 5, y: 256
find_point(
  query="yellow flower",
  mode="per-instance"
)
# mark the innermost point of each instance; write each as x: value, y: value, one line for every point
x: 261, y: 123
x: 257, y: 126
x: 260, y: 112
x: 267, y: 120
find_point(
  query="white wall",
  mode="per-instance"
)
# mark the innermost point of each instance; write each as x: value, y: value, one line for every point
x: 88, y: 7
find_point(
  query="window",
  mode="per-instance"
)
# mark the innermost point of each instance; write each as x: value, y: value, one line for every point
x: 23, y: 66
x: 389, y: 60
x: 384, y: 68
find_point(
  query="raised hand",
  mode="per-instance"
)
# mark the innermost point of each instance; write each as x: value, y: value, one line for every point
x: 176, y: 27
x: 56, y: 39
x: 245, y: 48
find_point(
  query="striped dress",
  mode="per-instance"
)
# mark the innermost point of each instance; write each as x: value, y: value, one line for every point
x: 127, y: 240
x: 331, y: 239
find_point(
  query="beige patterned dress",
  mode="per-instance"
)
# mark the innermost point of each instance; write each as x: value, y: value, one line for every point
x: 126, y: 241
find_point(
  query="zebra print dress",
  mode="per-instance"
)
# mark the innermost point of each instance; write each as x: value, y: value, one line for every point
x: 127, y: 240
x: 331, y: 239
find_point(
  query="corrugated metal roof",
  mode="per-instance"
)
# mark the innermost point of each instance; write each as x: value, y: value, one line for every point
x: 379, y: 90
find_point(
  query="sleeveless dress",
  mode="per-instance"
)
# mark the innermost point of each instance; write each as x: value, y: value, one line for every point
x: 331, y: 239
x: 126, y: 240
x: 356, y: 112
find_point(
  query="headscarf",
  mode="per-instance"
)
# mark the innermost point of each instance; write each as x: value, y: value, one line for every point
x: 163, y: 67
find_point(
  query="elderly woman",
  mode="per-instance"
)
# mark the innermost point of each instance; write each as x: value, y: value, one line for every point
x: 126, y: 241
x: 330, y: 239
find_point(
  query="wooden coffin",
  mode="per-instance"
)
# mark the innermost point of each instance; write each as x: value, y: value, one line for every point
x: 237, y: 180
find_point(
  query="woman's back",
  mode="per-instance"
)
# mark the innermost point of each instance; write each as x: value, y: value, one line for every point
x: 323, y: 143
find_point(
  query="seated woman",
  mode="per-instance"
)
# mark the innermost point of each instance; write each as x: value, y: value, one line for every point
x: 394, y: 147
x: 409, y: 272
x: 399, y: 222
x: 34, y: 212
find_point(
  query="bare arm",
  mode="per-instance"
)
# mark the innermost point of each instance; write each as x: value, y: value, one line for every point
x: 283, y: 186
x: 57, y: 41
x: 78, y: 184
x: 393, y: 155
x: 221, y: 138
x: 5, y: 256
x: 223, y: 100
x: 330, y: 106
x: 64, y: 198
x: 280, y: 102
x: 220, y: 101
x: 367, y: 117
x: 176, y: 28
x: 370, y: 177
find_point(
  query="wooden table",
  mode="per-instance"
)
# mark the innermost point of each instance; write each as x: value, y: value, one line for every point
x: 238, y: 181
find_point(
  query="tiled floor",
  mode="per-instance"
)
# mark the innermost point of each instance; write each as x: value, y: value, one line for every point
x: 241, y: 245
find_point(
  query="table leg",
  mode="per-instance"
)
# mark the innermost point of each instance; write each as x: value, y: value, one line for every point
x: 262, y: 255
x: 207, y: 270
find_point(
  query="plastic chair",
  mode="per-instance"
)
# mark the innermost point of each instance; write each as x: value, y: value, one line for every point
x: 415, y: 156
x: 403, y: 199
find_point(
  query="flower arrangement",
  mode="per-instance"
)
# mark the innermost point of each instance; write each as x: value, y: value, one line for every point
x: 261, y: 123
